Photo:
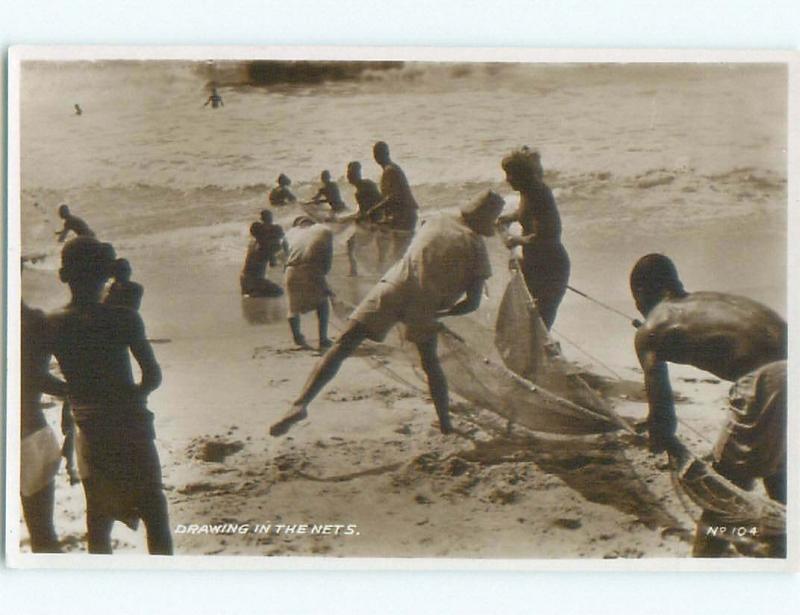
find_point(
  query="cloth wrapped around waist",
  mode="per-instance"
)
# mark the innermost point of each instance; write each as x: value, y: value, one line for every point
x: 117, y: 460
x: 306, y: 287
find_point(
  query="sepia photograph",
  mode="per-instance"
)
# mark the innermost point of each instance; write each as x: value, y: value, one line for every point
x: 283, y: 304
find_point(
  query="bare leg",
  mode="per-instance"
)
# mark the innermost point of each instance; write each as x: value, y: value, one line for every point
x: 437, y: 383
x: 38, y: 512
x: 323, y: 313
x: 322, y: 374
x: 776, y: 488
x: 297, y: 334
x: 98, y: 529
x: 156, y: 521
x: 351, y: 255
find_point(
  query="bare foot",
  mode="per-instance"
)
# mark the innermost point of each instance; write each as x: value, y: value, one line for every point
x: 301, y: 343
x: 296, y: 413
x: 324, y: 344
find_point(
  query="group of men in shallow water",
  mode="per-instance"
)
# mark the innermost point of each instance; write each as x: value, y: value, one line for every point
x: 440, y: 272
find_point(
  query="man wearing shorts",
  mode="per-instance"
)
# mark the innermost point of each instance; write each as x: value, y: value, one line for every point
x: 735, y: 339
x: 446, y: 261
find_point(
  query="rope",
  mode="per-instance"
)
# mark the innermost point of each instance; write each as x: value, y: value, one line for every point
x: 606, y: 306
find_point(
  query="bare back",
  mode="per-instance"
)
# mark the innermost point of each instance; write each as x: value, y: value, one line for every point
x: 724, y: 334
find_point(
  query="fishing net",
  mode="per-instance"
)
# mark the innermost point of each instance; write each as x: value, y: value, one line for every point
x: 731, y: 504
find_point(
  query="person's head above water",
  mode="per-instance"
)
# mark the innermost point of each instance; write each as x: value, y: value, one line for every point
x: 353, y: 171
x: 63, y: 211
x: 325, y: 176
x: 121, y: 270
x: 482, y: 213
x: 283, y: 180
x: 85, y: 261
x: 302, y: 221
x: 653, y: 278
x: 381, y: 153
x: 522, y: 166
x: 266, y: 216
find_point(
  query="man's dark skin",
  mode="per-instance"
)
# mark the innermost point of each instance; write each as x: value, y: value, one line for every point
x: 281, y: 195
x: 329, y: 193
x: 398, y: 203
x: 72, y: 223
x: 92, y: 342
x: 727, y: 335
x: 215, y: 100
x: 367, y: 196
x: 271, y: 237
x: 123, y: 291
x: 35, y: 379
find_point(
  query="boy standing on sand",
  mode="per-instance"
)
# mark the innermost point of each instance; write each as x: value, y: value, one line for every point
x: 309, y: 250
x: 117, y: 457
x: 446, y: 261
x: 735, y: 339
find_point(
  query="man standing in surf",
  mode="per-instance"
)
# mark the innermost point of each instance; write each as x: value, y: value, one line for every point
x: 117, y: 457
x: 735, y: 339
x: 367, y: 196
x: 441, y: 274
x: 397, y: 203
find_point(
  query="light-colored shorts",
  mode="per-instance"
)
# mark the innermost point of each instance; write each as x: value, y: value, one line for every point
x: 753, y: 443
x: 306, y: 288
x: 388, y: 304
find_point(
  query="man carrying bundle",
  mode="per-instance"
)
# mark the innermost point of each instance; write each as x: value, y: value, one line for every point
x: 441, y: 274
x: 735, y: 339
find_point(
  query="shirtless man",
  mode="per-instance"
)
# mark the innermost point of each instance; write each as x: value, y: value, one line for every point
x: 446, y: 261
x: 367, y: 196
x: 215, y: 100
x: 281, y: 195
x: 39, y: 453
x: 397, y: 202
x: 735, y: 339
x: 271, y: 237
x: 309, y: 256
x: 329, y: 193
x: 253, y: 280
x: 117, y: 456
x: 123, y: 291
x: 72, y: 223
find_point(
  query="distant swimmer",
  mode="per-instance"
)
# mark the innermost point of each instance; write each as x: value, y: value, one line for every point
x: 367, y: 196
x: 215, y: 100
x: 72, y: 223
x: 253, y: 280
x: 78, y: 110
x: 329, y: 193
x: 123, y: 291
x: 399, y: 205
x: 40, y: 456
x: 309, y: 256
x: 545, y: 262
x: 271, y: 237
x: 441, y: 274
x: 117, y: 457
x: 281, y: 195
x: 735, y: 339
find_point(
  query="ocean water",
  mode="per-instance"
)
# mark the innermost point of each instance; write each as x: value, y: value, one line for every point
x: 685, y: 159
